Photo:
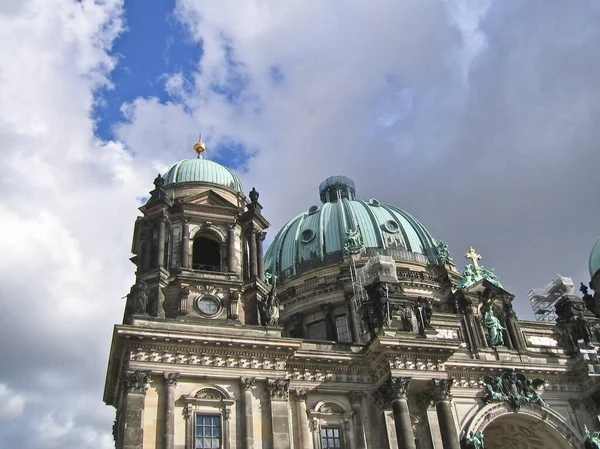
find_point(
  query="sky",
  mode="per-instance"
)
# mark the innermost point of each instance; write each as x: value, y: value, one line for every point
x: 479, y: 117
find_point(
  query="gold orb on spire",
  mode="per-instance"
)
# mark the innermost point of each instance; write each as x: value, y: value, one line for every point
x: 200, y: 147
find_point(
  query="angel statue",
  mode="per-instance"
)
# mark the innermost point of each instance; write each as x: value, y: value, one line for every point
x: 472, y: 441
x: 591, y: 440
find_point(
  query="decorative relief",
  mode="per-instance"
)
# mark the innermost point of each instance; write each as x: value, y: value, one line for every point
x: 330, y: 407
x: 398, y: 387
x: 413, y: 363
x: 278, y: 388
x: 209, y: 393
x: 301, y: 395
x: 136, y: 381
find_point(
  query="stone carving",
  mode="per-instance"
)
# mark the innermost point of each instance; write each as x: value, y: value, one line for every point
x: 398, y: 387
x: 209, y: 393
x: 268, y: 309
x: 136, y: 381
x: 171, y: 379
x: 514, y: 388
x: 441, y: 389
x: 591, y: 440
x: 472, y: 440
x: 253, y: 195
x: 574, y: 325
x: 424, y: 312
x: 494, y: 330
x: 301, y: 395
x: 248, y: 383
x: 159, y: 181
x: 330, y: 408
x: 137, y: 299
x: 278, y: 388
x: 442, y: 253
x: 406, y: 318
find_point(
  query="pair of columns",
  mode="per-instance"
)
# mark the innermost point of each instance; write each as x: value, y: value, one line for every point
x: 161, y: 223
x: 440, y: 395
x: 255, y: 239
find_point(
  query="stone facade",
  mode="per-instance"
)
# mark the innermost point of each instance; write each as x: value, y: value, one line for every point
x: 210, y: 346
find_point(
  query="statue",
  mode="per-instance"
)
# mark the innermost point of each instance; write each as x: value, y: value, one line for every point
x: 588, y: 299
x: 494, y: 329
x: 469, y: 276
x: 490, y: 275
x: 591, y: 440
x: 406, y: 319
x: 513, y: 388
x: 137, y: 299
x: 424, y: 313
x: 472, y: 441
x: 442, y: 253
x: 253, y: 196
x: 582, y: 330
x: 269, y: 308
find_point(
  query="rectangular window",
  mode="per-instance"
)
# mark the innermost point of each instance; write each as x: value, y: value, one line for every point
x: 330, y: 438
x: 317, y: 331
x: 208, y: 432
x: 343, y: 331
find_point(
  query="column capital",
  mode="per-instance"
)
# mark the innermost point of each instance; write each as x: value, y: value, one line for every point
x: 398, y: 387
x: 248, y: 383
x: 301, y: 394
x: 441, y: 389
x: 136, y: 381
x: 278, y: 389
x: 171, y: 379
x: 231, y: 225
x: 260, y: 236
x: 186, y: 220
x: 355, y: 397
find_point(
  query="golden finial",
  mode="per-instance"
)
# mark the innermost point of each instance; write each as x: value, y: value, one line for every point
x: 200, y: 147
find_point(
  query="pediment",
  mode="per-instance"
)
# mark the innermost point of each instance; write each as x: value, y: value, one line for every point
x: 208, y: 197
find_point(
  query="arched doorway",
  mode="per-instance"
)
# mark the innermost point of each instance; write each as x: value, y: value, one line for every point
x: 519, y: 431
x: 533, y: 427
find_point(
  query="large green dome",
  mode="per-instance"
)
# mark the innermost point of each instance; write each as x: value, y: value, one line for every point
x: 595, y: 259
x: 322, y: 235
x: 203, y: 170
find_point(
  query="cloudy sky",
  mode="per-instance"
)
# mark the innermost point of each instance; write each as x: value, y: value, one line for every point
x: 480, y: 117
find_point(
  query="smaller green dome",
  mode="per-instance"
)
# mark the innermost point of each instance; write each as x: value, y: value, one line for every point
x: 595, y: 259
x: 203, y: 170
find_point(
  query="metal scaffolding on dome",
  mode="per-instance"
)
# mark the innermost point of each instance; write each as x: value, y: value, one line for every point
x: 544, y: 299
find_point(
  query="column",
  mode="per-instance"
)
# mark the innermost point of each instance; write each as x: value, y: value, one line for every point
x: 354, y: 328
x: 359, y: 420
x: 231, y: 247
x: 442, y: 397
x: 303, y: 426
x: 160, y: 260
x: 260, y: 237
x: 252, y: 244
x: 248, y: 420
x: 148, y: 246
x: 185, y: 244
x: 398, y: 389
x: 170, y: 384
x: 278, y: 391
x: 135, y: 384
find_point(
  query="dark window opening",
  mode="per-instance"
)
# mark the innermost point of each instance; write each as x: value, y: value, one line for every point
x: 317, y: 330
x: 206, y: 254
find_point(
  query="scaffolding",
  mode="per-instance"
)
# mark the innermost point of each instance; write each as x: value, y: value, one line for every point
x: 544, y: 299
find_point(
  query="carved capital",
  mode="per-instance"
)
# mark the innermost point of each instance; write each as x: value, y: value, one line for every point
x: 398, y: 387
x: 171, y: 379
x: 136, y: 381
x: 301, y: 395
x: 355, y: 397
x: 260, y: 236
x: 230, y: 225
x: 327, y: 308
x: 440, y: 389
x: 278, y: 389
x: 248, y: 383
x: 187, y: 221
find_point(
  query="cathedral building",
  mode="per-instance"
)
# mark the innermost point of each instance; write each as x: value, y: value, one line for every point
x: 354, y: 330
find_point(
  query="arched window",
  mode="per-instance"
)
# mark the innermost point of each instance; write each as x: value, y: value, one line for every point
x: 206, y: 253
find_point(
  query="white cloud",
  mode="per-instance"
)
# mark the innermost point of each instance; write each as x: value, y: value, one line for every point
x: 11, y: 404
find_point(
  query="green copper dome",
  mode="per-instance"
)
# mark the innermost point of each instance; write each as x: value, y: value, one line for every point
x: 343, y: 225
x: 595, y: 259
x: 203, y: 170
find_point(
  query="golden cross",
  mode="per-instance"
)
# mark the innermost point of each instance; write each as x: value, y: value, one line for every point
x: 474, y: 257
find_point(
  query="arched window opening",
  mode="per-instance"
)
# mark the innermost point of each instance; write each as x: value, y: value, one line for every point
x: 206, y: 254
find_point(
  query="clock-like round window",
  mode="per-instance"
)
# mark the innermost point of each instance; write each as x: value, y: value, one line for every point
x: 208, y: 305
